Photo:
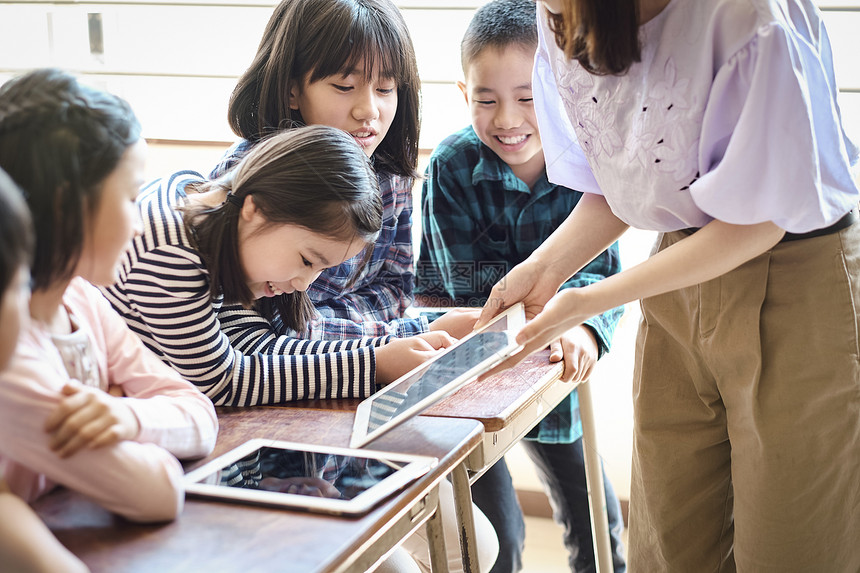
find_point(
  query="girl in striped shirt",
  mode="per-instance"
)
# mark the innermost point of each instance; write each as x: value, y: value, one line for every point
x: 300, y: 202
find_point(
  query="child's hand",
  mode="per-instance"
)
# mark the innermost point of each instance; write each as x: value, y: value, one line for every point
x: 89, y: 418
x: 578, y: 347
x: 403, y: 354
x: 458, y: 322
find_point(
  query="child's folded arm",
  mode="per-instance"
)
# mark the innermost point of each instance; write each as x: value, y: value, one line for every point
x: 171, y: 411
x: 141, y: 482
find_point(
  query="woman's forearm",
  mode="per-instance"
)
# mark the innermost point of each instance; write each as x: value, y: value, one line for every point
x: 712, y: 251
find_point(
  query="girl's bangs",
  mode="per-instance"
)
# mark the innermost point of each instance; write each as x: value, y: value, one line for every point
x: 368, y: 46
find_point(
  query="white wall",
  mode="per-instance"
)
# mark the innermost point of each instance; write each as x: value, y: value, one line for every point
x: 176, y: 61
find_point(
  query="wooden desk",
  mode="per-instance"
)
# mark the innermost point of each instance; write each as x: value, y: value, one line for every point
x: 217, y: 536
x: 508, y: 406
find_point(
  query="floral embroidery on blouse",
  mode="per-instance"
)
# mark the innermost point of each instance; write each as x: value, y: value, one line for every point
x: 663, y: 135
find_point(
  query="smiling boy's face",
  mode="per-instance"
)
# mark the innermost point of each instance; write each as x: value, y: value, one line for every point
x: 498, y: 89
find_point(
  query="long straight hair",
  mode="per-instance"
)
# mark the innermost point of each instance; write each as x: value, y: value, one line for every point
x: 59, y: 140
x: 313, y: 177
x: 313, y: 39
x: 602, y: 35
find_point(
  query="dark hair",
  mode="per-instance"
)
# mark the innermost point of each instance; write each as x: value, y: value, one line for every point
x: 59, y: 140
x: 315, y: 177
x: 602, y: 35
x: 499, y: 24
x: 16, y: 231
x: 314, y: 39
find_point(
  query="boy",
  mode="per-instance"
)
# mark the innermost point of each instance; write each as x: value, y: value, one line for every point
x: 487, y: 205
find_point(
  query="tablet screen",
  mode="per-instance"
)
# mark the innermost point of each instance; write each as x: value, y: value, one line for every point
x: 334, y: 480
x: 302, y: 473
x: 438, y: 378
x: 449, y: 367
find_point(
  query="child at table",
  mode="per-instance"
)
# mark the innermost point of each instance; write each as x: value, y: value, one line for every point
x: 26, y: 545
x: 84, y: 403
x: 348, y: 64
x: 487, y: 204
x: 298, y: 202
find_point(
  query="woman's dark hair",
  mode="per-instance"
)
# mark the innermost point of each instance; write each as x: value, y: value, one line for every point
x: 315, y: 177
x: 602, y: 35
x: 59, y: 140
x: 16, y: 232
x: 313, y: 39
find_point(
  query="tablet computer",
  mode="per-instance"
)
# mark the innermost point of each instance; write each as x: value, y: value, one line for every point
x: 275, y: 473
x: 439, y: 377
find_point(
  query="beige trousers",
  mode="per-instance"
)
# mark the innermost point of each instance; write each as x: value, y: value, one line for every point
x: 747, y: 417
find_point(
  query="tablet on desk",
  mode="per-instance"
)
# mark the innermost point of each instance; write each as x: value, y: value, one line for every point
x: 439, y: 377
x: 338, y: 481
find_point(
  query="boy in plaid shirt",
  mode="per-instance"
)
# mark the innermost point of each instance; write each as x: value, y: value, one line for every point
x: 487, y: 204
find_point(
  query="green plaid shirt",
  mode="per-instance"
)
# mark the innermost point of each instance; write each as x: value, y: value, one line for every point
x: 478, y: 221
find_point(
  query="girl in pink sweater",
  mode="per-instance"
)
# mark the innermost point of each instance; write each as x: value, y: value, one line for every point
x: 83, y: 403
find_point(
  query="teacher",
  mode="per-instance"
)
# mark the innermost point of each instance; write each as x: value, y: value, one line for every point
x: 714, y: 122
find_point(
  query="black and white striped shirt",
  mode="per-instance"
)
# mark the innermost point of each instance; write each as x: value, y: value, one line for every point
x: 163, y: 294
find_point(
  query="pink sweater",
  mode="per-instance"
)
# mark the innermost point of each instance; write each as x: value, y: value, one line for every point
x: 139, y: 479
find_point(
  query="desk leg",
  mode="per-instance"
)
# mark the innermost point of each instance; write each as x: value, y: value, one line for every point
x: 436, y: 539
x: 465, y: 518
x: 594, y: 483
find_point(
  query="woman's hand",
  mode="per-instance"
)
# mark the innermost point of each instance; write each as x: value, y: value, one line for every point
x: 532, y: 285
x: 89, y: 418
x: 457, y: 322
x: 528, y: 283
x: 403, y: 354
x: 565, y: 311
x: 578, y: 347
